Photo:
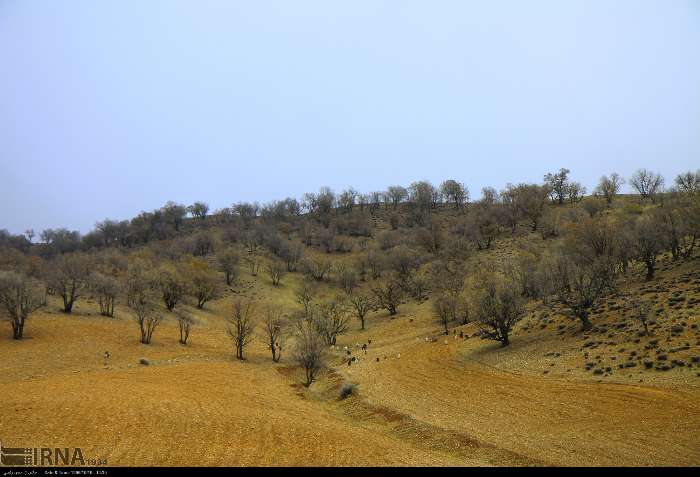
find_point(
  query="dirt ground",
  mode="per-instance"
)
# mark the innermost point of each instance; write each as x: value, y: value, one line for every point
x: 429, y: 400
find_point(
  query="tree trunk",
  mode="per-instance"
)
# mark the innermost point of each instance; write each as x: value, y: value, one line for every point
x: 505, y: 341
x: 650, y: 269
x: 67, y: 305
x: 17, y: 329
x: 585, y: 322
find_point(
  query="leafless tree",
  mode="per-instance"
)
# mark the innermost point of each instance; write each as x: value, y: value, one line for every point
x: 228, y: 263
x: 422, y: 194
x: 558, y: 185
x: 375, y: 262
x: 241, y: 326
x: 275, y: 270
x: 445, y: 309
x: 106, y: 288
x: 203, y: 282
x: 497, y: 306
x: 20, y: 296
x: 346, y: 276
x: 396, y: 195
x: 455, y: 192
x: 347, y: 199
x: 688, y: 182
x: 185, y: 322
x: 305, y: 296
x: 609, y: 187
x: 405, y: 262
x: 578, y: 283
x: 139, y: 286
x: 489, y: 196
x: 253, y: 262
x: 274, y: 327
x: 172, y: 285
x: 199, y: 209
x: 361, y: 304
x: 292, y: 253
x: 531, y: 201
x: 647, y: 183
x: 316, y: 268
x: 641, y: 312
x: 331, y: 319
x: 650, y: 240
x: 69, y: 278
x: 575, y: 192
x: 482, y: 226
x: 202, y: 244
x: 389, y: 294
x: 309, y: 352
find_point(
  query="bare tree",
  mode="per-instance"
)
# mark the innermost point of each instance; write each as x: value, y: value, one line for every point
x: 171, y: 284
x: 291, y: 253
x: 139, y: 286
x: 274, y: 330
x: 69, y: 278
x: 203, y: 282
x: 185, y: 322
x: 482, y: 226
x: 331, y: 319
x: 346, y: 276
x: 309, y: 352
x: 228, y: 263
x: 575, y: 192
x: 202, y: 244
x: 445, y: 309
x: 396, y: 195
x: 253, y: 261
x: 609, y: 187
x: 241, y: 326
x: 106, y: 288
x: 455, y: 192
x: 531, y: 201
x: 497, y: 306
x: 558, y: 185
x: 389, y: 294
x: 641, y: 312
x: 650, y: 240
x: 275, y: 270
x: 361, y: 304
x: 20, y: 296
x: 316, y: 268
x: 305, y: 296
x: 688, y: 182
x: 422, y: 195
x: 489, y: 196
x: 375, y: 262
x: 647, y: 183
x: 199, y: 209
x: 580, y: 283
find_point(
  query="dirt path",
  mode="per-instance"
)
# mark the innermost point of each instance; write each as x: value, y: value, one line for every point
x: 519, y: 419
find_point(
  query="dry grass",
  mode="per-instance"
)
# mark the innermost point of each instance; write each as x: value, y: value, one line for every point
x: 463, y: 402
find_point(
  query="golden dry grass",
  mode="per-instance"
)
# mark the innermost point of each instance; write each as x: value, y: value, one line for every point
x: 463, y: 402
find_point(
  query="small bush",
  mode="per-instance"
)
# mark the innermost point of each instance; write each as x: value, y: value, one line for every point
x: 347, y: 390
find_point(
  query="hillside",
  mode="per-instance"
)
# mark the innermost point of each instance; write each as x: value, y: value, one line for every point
x: 556, y: 395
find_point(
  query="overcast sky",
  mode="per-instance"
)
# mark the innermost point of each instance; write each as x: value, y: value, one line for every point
x: 108, y: 108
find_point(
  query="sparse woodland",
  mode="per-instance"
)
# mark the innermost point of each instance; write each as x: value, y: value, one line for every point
x: 568, y: 250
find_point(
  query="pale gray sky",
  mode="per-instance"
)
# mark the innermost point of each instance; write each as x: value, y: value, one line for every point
x: 112, y: 107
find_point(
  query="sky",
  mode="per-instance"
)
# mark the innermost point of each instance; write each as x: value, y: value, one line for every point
x: 113, y: 107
